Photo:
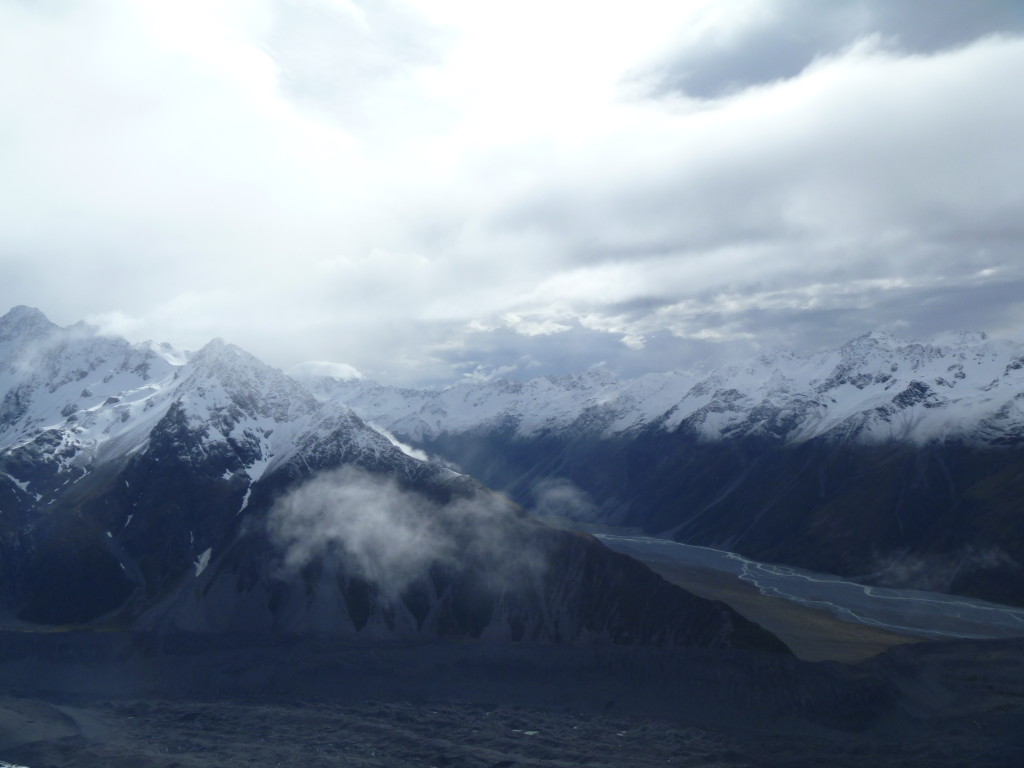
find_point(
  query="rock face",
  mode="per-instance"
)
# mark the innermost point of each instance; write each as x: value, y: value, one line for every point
x: 144, y: 488
x: 901, y: 462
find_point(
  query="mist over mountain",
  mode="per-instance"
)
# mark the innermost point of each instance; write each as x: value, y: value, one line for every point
x: 895, y: 461
x: 208, y: 492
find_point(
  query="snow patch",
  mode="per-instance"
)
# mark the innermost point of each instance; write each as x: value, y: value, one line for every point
x: 203, y: 561
x: 245, y: 499
x: 22, y: 485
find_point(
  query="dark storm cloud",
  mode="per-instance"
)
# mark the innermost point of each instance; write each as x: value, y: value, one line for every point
x: 740, y: 43
x: 908, y: 312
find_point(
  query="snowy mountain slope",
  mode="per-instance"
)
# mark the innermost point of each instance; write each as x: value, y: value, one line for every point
x: 51, y: 375
x: 74, y: 401
x: 526, y: 408
x: 873, y: 389
x: 210, y: 492
x: 140, y: 457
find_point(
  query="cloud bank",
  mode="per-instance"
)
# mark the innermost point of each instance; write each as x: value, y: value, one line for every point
x: 427, y: 190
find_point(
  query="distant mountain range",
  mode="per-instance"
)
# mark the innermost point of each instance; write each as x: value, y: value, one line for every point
x: 874, y: 389
x: 895, y: 461
x: 145, y: 488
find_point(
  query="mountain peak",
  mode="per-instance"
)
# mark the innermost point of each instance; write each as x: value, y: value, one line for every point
x: 23, y: 312
x: 219, y: 352
x: 245, y: 380
x: 24, y: 321
x: 233, y: 366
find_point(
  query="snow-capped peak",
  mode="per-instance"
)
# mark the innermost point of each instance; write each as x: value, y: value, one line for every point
x: 875, y: 387
x: 52, y: 376
x: 72, y: 400
x: 224, y: 374
x: 24, y: 316
x: 23, y: 326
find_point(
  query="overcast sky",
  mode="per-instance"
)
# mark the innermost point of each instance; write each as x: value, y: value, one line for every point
x: 433, y: 189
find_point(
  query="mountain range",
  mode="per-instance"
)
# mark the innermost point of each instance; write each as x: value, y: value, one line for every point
x: 897, y: 462
x: 149, y: 489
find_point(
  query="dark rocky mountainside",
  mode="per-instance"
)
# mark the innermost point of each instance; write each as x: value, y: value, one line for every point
x: 938, y: 517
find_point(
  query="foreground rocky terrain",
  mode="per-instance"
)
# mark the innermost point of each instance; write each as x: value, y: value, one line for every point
x: 143, y: 699
x: 115, y: 702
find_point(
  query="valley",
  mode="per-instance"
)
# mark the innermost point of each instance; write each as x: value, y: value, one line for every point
x: 893, y: 462
x: 199, y: 553
x: 820, y: 616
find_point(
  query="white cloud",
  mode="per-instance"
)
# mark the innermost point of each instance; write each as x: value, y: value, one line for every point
x: 316, y: 368
x: 392, y: 537
x: 400, y: 185
x: 408, y: 450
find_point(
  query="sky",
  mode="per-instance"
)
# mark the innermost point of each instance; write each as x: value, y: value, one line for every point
x: 435, y: 190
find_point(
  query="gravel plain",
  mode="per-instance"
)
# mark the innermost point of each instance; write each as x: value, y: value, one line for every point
x: 868, y: 698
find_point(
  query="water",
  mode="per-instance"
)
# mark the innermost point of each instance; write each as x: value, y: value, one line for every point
x: 928, y: 614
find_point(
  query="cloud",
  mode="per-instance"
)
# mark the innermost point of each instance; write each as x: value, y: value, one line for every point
x: 318, y: 368
x: 421, y: 188
x: 392, y: 537
x: 559, y: 497
x: 936, y: 573
x: 408, y: 450
x: 736, y: 44
x: 857, y: 181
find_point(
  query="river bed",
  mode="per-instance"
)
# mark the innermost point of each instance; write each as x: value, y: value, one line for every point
x: 927, y: 614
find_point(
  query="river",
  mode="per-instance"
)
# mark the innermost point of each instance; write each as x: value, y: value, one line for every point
x: 929, y: 614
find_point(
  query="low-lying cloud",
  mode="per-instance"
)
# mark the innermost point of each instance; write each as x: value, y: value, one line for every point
x: 936, y: 572
x: 405, y: 448
x: 559, y: 497
x: 392, y: 536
